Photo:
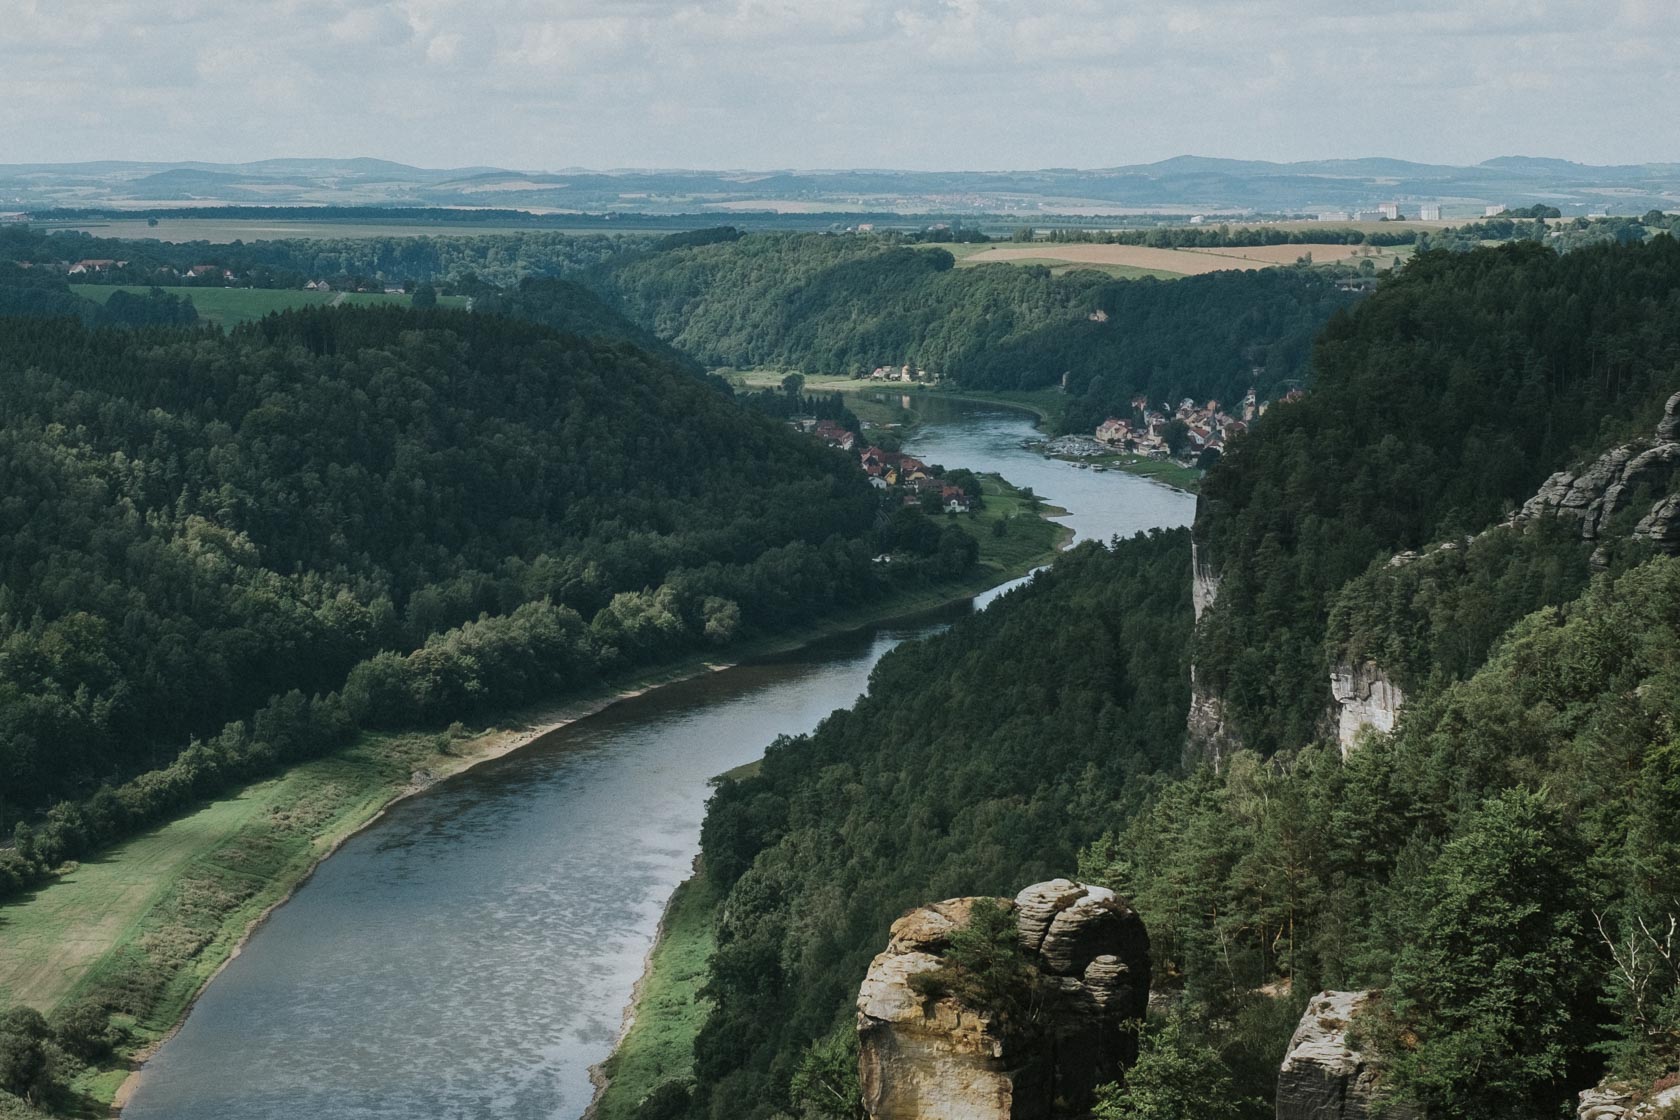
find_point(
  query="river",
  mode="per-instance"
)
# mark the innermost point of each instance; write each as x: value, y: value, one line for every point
x: 472, y: 953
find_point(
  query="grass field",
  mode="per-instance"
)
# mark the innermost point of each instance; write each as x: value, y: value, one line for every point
x: 659, y: 1046
x: 1046, y: 404
x: 228, y: 307
x: 1144, y: 260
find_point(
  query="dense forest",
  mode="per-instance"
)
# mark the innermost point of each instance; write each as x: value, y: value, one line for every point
x: 1503, y: 867
x: 1436, y: 409
x: 846, y: 304
x: 963, y: 771
x: 222, y: 551
x: 501, y: 259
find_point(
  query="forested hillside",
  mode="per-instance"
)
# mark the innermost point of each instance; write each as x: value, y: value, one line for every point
x: 1436, y: 409
x: 256, y: 542
x: 965, y: 770
x: 846, y: 304
x: 1502, y: 866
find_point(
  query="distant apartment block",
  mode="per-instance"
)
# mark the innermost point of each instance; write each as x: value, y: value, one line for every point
x: 1429, y: 213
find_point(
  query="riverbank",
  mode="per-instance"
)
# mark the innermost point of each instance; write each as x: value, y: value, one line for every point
x: 666, y: 1010
x: 146, y: 925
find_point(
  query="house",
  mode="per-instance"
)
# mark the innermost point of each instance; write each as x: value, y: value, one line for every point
x: 209, y: 271
x: 879, y: 483
x: 953, y: 499
x: 1113, y: 430
x: 834, y: 435
x: 317, y: 286
x: 1098, y: 316
x: 82, y: 267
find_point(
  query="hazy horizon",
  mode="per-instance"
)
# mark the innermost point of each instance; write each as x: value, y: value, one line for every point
x: 915, y: 85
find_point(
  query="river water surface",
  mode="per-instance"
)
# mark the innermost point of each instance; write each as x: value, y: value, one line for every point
x: 471, y: 954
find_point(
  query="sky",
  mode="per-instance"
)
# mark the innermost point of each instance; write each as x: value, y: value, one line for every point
x: 910, y: 84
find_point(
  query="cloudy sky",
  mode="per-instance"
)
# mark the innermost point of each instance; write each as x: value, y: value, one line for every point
x: 977, y: 84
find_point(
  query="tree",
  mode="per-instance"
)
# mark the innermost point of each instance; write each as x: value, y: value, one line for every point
x: 424, y: 296
x: 25, y: 1061
x: 793, y: 384
x: 1496, y: 977
x: 1177, y: 1077
x: 1177, y: 435
x: 825, y: 1086
x: 986, y: 969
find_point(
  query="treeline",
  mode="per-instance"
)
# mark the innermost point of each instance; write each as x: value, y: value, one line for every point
x: 500, y: 259
x: 36, y: 293
x: 966, y: 769
x: 846, y: 304
x: 428, y: 510
x: 1437, y: 408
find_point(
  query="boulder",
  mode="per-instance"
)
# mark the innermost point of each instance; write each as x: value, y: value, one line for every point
x: 938, y: 1059
x: 1323, y: 1076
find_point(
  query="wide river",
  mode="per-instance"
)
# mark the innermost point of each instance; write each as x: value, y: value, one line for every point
x: 471, y: 954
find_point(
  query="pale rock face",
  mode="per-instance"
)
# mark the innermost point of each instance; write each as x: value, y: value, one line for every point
x: 1601, y: 489
x: 1615, y: 1102
x: 1323, y: 1076
x: 1365, y: 698
x: 939, y: 1060
x: 1204, y: 582
x: 1209, y: 737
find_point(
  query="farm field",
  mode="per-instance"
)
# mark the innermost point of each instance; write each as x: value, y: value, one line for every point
x: 1147, y: 260
x: 228, y: 307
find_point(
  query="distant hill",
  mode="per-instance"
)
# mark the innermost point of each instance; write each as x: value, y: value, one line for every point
x: 1183, y: 184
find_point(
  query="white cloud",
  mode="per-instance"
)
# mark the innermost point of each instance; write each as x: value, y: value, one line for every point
x: 767, y: 83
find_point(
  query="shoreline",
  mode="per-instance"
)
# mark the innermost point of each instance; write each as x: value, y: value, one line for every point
x: 536, y: 723
x: 504, y: 742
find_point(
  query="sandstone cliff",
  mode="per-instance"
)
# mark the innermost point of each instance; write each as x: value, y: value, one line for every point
x: 1324, y: 1076
x: 1208, y: 735
x: 937, y: 1059
x: 1594, y: 494
x: 1365, y: 697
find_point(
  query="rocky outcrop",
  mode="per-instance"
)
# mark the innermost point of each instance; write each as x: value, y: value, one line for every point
x: 1620, y: 1102
x: 1365, y: 698
x: 1204, y: 581
x: 937, y: 1059
x: 1324, y: 1077
x: 1597, y: 492
x: 1209, y: 737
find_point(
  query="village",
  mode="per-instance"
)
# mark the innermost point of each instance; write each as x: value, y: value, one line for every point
x: 894, y: 471
x: 1185, y: 432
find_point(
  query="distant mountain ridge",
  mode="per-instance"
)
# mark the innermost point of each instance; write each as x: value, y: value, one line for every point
x: 1181, y: 184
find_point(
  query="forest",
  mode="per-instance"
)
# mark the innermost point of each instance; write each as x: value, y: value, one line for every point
x: 219, y: 553
x: 846, y: 304
x: 1503, y: 867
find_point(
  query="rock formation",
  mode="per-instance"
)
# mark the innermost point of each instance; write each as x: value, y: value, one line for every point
x: 1323, y: 1076
x: 1619, y: 1102
x: 1204, y: 581
x: 937, y: 1059
x: 1603, y: 488
x: 1365, y: 697
x: 1209, y: 738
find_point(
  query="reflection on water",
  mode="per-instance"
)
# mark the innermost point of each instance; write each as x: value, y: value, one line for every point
x: 471, y: 954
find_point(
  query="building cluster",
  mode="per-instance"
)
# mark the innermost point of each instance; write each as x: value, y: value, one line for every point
x: 94, y: 266
x: 1207, y: 427
x: 900, y: 373
x: 888, y: 470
